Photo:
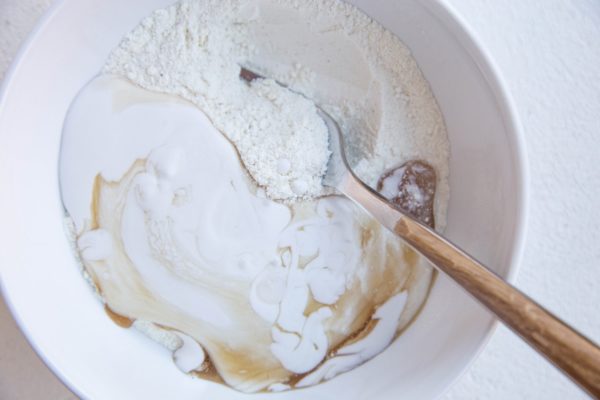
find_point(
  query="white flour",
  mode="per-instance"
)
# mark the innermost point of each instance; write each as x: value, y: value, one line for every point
x: 195, y: 50
x: 328, y: 50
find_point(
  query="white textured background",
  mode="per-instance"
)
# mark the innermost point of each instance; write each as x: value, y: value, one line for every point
x: 549, y: 54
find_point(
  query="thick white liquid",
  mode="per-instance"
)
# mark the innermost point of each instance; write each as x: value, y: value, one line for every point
x: 261, y: 295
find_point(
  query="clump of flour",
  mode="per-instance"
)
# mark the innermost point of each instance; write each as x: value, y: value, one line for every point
x: 194, y: 50
x: 354, y: 68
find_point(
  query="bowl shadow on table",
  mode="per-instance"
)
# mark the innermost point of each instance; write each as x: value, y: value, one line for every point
x: 23, y: 376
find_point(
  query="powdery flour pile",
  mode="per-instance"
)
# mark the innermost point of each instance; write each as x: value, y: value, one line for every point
x: 195, y: 50
x: 327, y: 50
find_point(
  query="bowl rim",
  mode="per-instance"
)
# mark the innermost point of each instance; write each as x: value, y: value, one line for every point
x: 467, y: 38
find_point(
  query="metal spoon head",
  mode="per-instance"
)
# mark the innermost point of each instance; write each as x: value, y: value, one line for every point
x: 337, y: 167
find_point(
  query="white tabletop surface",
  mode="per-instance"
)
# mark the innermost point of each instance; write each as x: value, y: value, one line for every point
x: 549, y: 54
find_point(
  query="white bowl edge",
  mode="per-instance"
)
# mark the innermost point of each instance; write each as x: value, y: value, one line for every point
x: 489, y: 69
x: 4, y: 89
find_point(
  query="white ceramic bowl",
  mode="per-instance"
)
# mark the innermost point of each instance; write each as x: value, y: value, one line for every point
x: 98, y: 360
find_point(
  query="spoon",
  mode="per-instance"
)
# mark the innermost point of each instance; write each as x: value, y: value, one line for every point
x: 568, y: 350
x: 571, y: 352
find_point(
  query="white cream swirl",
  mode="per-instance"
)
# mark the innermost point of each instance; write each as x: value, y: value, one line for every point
x: 262, y: 295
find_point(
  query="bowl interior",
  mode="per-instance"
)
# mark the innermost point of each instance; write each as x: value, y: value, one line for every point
x: 67, y: 325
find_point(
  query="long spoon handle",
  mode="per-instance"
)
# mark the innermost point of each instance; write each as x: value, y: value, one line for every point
x: 568, y: 350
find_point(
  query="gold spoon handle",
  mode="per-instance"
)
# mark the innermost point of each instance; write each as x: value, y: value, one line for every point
x: 574, y: 354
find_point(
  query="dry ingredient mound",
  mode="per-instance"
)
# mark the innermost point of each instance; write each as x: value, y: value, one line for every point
x: 195, y: 50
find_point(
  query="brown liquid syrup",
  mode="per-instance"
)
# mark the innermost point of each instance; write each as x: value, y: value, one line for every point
x: 422, y: 177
